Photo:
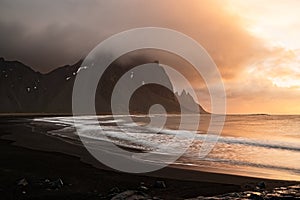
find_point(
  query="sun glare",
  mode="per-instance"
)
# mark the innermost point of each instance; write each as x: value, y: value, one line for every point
x: 277, y: 24
x: 286, y: 82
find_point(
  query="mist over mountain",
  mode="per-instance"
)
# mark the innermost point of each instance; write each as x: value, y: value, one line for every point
x: 23, y: 90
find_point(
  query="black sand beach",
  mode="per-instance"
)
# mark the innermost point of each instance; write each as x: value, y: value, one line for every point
x: 40, y: 160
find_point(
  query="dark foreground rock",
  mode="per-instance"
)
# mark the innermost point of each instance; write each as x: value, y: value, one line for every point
x: 281, y: 193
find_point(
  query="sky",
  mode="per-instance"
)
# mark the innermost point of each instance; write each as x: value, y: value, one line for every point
x: 255, y: 44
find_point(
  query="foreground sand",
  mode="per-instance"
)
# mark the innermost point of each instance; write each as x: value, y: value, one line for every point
x: 27, y: 154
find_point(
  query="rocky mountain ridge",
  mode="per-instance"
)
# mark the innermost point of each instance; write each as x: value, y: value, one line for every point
x: 23, y: 90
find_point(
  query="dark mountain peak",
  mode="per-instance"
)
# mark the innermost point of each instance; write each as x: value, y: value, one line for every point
x: 189, y: 102
x: 183, y: 93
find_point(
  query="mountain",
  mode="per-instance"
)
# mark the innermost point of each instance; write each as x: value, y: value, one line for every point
x: 23, y: 90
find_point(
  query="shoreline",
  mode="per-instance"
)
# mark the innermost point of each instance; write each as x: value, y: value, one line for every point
x: 28, y: 153
x: 51, y: 157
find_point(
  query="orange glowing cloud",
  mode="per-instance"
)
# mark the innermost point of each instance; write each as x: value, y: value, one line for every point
x: 255, y: 48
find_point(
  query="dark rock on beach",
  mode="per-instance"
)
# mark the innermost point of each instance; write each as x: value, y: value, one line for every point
x: 280, y: 193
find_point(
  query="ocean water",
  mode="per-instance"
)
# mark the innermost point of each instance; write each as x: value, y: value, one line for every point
x: 265, y: 146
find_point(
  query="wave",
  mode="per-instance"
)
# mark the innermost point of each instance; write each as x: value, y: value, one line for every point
x: 230, y: 153
x: 137, y: 134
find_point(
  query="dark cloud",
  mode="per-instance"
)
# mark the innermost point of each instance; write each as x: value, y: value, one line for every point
x: 52, y: 47
x: 47, y: 34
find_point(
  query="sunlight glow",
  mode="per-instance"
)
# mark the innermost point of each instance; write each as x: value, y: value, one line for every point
x: 274, y: 21
x: 285, y: 82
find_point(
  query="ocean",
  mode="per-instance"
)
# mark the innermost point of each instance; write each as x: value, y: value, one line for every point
x: 264, y: 146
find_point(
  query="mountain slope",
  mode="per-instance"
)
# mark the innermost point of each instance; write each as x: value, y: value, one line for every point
x: 23, y: 90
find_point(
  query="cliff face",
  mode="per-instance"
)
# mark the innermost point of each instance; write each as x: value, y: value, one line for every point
x: 23, y: 90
